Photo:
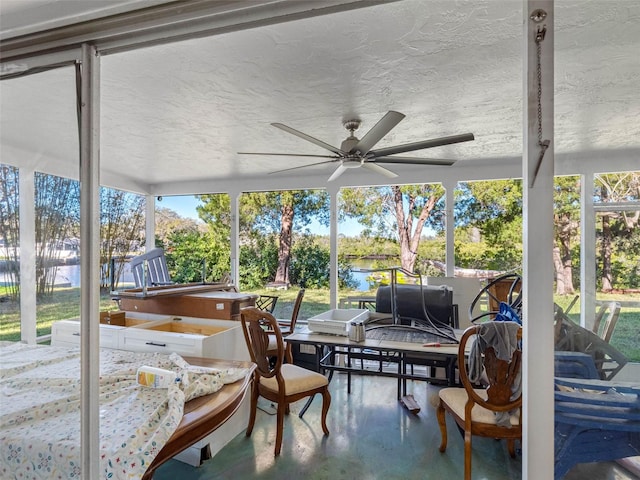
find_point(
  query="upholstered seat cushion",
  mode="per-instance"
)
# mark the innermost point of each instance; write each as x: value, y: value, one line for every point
x: 456, y: 399
x: 297, y: 379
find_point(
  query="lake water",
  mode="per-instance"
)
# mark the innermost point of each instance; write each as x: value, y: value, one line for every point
x: 70, y: 275
x: 362, y: 277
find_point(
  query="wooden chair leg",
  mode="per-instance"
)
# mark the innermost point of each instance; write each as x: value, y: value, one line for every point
x: 254, y: 407
x: 442, y: 422
x: 279, y: 428
x: 467, y: 455
x: 288, y: 354
x: 326, y: 401
x: 511, y: 446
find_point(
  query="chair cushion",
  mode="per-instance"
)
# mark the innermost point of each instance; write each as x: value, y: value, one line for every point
x: 296, y: 379
x: 456, y: 398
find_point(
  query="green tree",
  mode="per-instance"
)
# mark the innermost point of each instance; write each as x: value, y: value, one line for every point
x: 168, y: 221
x: 259, y: 260
x: 57, y: 212
x: 190, y: 252
x: 619, y: 232
x: 122, y: 225
x: 309, y: 265
x: 283, y: 212
x: 10, y: 225
x: 399, y: 212
x: 215, y: 212
x: 190, y: 247
x: 493, y: 208
x: 566, y: 219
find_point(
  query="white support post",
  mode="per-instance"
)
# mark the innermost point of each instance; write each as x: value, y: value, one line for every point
x: 333, y: 246
x: 449, y: 220
x: 150, y: 222
x: 587, y: 252
x: 234, y: 204
x: 27, y: 205
x: 537, y: 370
x: 90, y: 263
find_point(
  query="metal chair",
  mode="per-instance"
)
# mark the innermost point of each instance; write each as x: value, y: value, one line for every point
x: 267, y: 303
x: 503, y: 289
x: 279, y: 382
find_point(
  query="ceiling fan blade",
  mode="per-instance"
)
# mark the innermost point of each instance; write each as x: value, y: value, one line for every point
x: 409, y: 147
x: 287, y: 154
x: 377, y: 132
x: 339, y: 171
x: 414, y: 161
x: 308, y: 138
x: 379, y: 169
x: 303, y: 166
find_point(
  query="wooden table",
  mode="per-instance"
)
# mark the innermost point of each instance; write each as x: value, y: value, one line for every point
x: 203, y: 415
x: 204, y: 302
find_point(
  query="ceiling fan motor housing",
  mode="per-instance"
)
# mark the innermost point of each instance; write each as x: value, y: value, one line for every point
x: 349, y: 143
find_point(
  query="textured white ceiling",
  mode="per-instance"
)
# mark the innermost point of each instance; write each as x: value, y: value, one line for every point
x: 181, y: 112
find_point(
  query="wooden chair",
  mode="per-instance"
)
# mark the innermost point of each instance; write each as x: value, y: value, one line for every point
x: 276, y: 381
x: 571, y: 337
x: 476, y: 410
x: 605, y: 329
x: 287, y: 327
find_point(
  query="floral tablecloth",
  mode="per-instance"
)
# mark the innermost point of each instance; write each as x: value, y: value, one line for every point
x: 40, y: 410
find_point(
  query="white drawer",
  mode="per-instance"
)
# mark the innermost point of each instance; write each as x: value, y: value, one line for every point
x: 188, y: 336
x: 67, y: 333
x: 141, y: 340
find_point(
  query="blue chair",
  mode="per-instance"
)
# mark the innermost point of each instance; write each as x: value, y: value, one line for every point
x: 575, y: 365
x: 595, y: 421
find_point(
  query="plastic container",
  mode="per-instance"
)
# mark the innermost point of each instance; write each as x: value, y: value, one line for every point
x: 156, y: 377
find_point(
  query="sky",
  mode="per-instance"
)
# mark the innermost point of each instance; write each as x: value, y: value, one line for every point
x: 185, y: 206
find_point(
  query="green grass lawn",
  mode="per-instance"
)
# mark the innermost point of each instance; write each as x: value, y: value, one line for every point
x: 65, y: 303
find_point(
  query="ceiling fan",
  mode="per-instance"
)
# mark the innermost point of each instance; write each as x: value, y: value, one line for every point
x: 355, y: 153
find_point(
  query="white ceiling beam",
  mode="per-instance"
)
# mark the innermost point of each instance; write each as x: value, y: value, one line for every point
x: 173, y: 22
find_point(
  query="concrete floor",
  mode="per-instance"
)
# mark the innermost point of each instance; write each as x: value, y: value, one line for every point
x: 372, y: 437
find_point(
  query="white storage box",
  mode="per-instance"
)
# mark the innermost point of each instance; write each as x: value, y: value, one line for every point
x: 337, y: 321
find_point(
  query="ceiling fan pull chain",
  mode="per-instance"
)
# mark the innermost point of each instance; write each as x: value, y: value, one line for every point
x: 544, y: 144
